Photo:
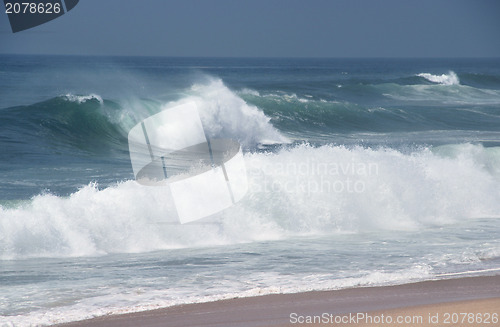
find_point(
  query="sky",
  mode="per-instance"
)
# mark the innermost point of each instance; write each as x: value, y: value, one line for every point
x: 266, y: 28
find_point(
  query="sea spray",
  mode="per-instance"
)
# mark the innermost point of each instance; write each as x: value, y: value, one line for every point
x: 291, y: 193
x: 445, y: 79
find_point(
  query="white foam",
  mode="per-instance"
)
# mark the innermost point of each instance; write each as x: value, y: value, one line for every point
x: 289, y: 98
x: 137, y: 300
x: 470, y: 272
x: 445, y: 79
x: 83, y: 98
x: 224, y: 114
x: 298, y: 191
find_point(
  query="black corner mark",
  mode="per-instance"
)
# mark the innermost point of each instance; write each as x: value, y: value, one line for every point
x: 25, y: 14
x: 70, y: 4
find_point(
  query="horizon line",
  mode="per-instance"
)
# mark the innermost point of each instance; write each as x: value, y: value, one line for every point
x: 246, y: 57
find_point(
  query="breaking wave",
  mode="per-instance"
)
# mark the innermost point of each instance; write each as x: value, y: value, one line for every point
x: 445, y: 79
x: 298, y: 190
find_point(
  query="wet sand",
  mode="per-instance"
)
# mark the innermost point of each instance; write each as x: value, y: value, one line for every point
x: 447, y: 300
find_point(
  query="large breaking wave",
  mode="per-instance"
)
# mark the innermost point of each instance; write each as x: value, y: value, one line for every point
x: 298, y: 190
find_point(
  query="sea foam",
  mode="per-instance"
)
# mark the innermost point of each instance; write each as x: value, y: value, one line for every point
x: 83, y: 98
x: 445, y: 79
x: 299, y: 190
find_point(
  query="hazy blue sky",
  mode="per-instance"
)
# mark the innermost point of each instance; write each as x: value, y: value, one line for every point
x: 262, y: 28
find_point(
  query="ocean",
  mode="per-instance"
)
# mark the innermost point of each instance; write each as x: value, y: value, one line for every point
x: 361, y: 172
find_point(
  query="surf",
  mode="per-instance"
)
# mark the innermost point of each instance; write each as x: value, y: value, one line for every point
x: 290, y: 194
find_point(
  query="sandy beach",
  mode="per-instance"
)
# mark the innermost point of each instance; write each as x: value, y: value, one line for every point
x: 470, y: 301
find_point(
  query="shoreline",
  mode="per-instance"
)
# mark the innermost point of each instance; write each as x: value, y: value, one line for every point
x: 427, y: 298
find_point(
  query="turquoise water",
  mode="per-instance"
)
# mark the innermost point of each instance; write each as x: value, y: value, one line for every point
x: 361, y: 172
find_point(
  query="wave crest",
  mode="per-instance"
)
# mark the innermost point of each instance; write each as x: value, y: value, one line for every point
x: 224, y: 114
x: 445, y: 79
x: 83, y: 98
